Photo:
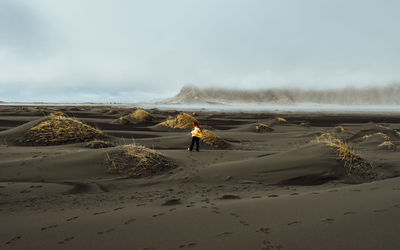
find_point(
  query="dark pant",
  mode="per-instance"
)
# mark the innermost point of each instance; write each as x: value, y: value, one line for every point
x: 197, y: 140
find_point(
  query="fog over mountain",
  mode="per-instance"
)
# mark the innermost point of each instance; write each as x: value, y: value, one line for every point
x: 389, y: 95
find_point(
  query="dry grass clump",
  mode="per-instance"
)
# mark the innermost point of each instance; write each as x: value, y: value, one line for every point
x: 124, y: 120
x: 141, y: 115
x: 58, y: 113
x: 339, y: 129
x: 59, y: 130
x: 387, y: 145
x: 30, y: 109
x: 305, y: 124
x: 354, y: 164
x: 212, y: 139
x: 262, y: 128
x: 384, y: 136
x: 281, y: 119
x: 99, y: 144
x: 182, y: 121
x: 111, y: 111
x: 137, y: 161
x: 381, y: 134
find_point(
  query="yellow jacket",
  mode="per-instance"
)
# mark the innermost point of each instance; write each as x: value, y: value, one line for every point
x: 196, y: 132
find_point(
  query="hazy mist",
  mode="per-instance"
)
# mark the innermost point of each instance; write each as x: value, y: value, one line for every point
x: 129, y: 51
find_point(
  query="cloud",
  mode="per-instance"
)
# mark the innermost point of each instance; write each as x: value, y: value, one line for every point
x: 158, y: 46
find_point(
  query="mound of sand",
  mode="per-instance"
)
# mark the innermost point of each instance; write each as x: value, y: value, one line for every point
x: 181, y: 121
x: 262, y: 128
x: 354, y: 165
x: 137, y: 161
x: 139, y: 115
x: 59, y: 130
x: 338, y: 129
x: 111, y: 111
x: 389, y: 145
x: 213, y: 140
x: 385, y: 132
x: 276, y: 121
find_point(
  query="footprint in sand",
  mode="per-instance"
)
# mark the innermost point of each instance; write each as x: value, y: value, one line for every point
x: 397, y: 189
x: 264, y: 230
x: 192, y: 244
x: 396, y: 205
x: 379, y: 210
x: 225, y: 234
x: 72, y: 218
x: 156, y: 215
x: 107, y: 231
x: 294, y: 223
x: 328, y: 220
x: 13, y: 239
x: 349, y: 212
x: 129, y: 221
x: 172, y: 202
x: 273, y: 195
x: 49, y: 227
x: 333, y: 190
x: 66, y: 240
x: 97, y: 213
x: 229, y: 197
x: 118, y: 208
x: 267, y: 245
x: 234, y: 215
x: 294, y: 194
x: 244, y: 223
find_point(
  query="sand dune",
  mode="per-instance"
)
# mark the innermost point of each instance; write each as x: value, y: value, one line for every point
x: 280, y: 189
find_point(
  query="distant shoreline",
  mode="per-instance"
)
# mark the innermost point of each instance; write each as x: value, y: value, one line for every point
x: 273, y: 108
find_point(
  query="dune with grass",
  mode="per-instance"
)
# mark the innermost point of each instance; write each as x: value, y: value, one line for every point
x: 181, y: 121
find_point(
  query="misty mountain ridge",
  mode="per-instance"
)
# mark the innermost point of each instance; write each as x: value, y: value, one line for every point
x: 387, y: 95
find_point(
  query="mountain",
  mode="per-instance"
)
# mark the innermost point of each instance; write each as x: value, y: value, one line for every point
x: 380, y: 95
x: 194, y: 95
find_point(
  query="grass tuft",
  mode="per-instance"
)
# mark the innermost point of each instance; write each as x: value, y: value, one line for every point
x: 262, y: 128
x: 58, y: 113
x: 111, y: 111
x: 281, y: 119
x: 388, y: 145
x: 354, y: 164
x: 137, y: 161
x: 182, y: 121
x: 339, y: 129
x: 60, y: 130
x: 141, y: 115
x: 212, y: 139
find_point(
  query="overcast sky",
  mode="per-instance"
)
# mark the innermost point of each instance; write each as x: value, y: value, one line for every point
x: 126, y: 50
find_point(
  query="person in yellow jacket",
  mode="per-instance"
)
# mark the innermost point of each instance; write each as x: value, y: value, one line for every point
x: 196, y: 135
